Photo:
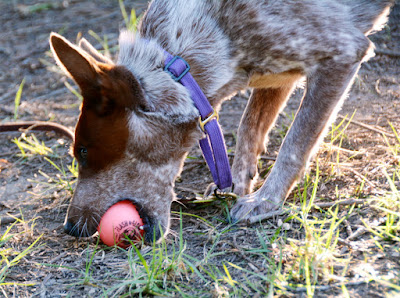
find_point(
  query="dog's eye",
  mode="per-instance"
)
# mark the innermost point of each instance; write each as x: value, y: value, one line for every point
x: 144, y: 109
x: 82, y: 153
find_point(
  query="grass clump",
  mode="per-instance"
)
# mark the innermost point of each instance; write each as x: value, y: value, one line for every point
x: 155, y: 270
x: 131, y: 21
x: 313, y: 258
x: 9, y: 256
x: 30, y: 146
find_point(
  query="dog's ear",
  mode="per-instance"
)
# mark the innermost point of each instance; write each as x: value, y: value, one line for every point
x: 87, y: 47
x: 75, y: 62
x: 92, y: 76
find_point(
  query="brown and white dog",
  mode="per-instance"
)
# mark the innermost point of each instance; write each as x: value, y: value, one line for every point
x: 137, y: 124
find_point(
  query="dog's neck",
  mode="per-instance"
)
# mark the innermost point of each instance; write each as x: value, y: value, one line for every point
x: 198, y: 40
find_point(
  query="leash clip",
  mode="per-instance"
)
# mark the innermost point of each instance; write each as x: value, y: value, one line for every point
x: 213, y: 115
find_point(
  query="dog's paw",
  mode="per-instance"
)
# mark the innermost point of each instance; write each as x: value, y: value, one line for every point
x: 251, y: 206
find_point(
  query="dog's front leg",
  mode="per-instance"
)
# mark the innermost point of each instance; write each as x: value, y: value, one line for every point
x: 260, y: 115
x: 326, y: 87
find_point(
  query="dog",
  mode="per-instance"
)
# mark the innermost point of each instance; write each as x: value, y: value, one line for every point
x: 137, y: 124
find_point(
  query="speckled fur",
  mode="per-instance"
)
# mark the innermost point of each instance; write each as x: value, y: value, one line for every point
x: 230, y: 45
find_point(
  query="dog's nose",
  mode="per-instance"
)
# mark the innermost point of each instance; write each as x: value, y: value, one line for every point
x: 153, y: 231
x: 71, y: 229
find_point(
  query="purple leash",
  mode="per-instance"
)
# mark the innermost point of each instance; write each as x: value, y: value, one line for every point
x: 213, y: 145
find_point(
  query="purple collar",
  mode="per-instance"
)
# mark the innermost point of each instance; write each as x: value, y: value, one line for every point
x: 213, y: 145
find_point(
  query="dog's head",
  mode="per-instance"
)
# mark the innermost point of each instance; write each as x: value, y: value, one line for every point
x: 130, y: 141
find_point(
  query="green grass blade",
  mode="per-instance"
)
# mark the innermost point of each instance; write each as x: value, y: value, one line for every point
x: 17, y: 100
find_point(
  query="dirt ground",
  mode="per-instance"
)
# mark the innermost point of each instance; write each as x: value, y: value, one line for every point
x: 26, y: 185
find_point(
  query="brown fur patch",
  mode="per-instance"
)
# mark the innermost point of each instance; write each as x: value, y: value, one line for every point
x: 102, y: 128
x: 278, y: 80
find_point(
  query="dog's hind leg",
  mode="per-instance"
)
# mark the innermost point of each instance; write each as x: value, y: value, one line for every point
x: 327, y: 85
x: 261, y: 112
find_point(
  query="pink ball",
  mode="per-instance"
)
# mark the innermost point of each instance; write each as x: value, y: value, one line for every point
x: 120, y: 219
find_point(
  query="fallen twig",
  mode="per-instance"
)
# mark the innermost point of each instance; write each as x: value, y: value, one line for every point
x: 37, y: 125
x: 357, y: 233
x: 6, y: 153
x: 393, y: 54
x: 348, y: 227
x: 8, y: 94
x: 342, y: 203
x: 362, y: 230
x: 334, y: 147
x: 62, y: 255
x: 377, y: 87
x: 345, y: 242
x: 360, y: 176
x: 48, y: 95
x: 369, y: 127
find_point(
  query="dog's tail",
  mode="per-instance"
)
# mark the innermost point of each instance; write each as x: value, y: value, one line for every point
x: 369, y: 15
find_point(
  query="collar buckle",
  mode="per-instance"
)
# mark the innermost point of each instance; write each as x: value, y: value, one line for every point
x: 177, y: 77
